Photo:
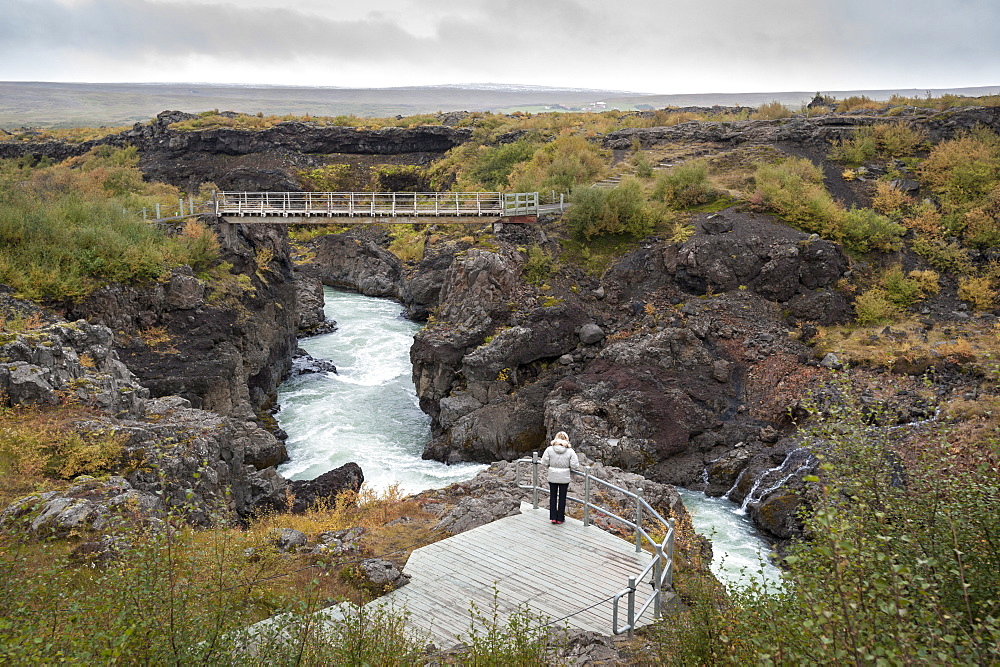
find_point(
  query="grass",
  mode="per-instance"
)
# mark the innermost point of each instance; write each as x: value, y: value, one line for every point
x: 66, y: 229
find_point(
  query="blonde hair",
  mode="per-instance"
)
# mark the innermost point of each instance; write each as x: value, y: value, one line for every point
x: 561, y: 439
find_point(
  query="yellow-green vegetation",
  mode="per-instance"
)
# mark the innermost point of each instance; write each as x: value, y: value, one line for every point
x: 179, y: 595
x: 407, y: 243
x: 894, y: 572
x: 625, y: 210
x: 882, y: 140
x: 964, y: 175
x: 893, y: 292
x: 979, y: 291
x: 39, y: 446
x: 66, y: 229
x: 793, y: 190
x: 539, y: 265
x: 685, y: 186
x: 561, y: 165
x: 911, y: 348
x: 209, y: 120
x: 771, y: 111
x: 74, y: 135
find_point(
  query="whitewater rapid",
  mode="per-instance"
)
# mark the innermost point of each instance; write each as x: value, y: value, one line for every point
x: 368, y: 412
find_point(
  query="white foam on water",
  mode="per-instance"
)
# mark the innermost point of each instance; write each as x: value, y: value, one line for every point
x: 368, y: 412
x: 740, y: 555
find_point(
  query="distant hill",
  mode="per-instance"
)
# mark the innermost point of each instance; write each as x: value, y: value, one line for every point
x: 41, y: 104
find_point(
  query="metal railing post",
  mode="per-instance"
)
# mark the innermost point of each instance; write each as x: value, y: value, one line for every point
x: 657, y: 574
x: 670, y: 553
x: 144, y: 217
x: 215, y: 201
x: 638, y: 520
x: 157, y: 210
x: 190, y: 204
x: 631, y: 606
x: 586, y: 497
x: 562, y: 202
x: 534, y: 480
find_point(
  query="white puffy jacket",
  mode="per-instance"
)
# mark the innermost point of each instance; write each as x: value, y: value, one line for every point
x: 560, y: 459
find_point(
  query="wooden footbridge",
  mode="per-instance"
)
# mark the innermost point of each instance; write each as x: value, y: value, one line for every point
x: 574, y: 574
x: 362, y: 207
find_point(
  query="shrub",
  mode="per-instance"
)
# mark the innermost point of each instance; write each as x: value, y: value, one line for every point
x: 945, y: 256
x: 977, y: 291
x: 904, y: 290
x: 493, y: 165
x: 884, y: 140
x: 875, y: 307
x: 538, y: 267
x: 901, y: 563
x: 963, y: 171
x: 685, y: 186
x: 863, y: 229
x: 889, y: 201
x: 624, y: 210
x: 560, y: 165
x: 771, y: 111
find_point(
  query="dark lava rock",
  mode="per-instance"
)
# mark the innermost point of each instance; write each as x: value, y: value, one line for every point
x: 326, y: 487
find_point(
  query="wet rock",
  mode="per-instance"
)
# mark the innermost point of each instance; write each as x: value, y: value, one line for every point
x: 309, y: 302
x: 343, y: 260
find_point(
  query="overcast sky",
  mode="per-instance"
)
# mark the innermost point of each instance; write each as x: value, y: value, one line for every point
x: 656, y: 46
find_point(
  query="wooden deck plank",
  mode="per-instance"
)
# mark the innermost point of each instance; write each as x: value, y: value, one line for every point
x: 555, y: 571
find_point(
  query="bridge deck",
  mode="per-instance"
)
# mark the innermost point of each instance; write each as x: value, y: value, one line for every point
x: 555, y: 570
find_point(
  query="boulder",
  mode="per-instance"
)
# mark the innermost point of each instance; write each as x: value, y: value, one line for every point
x: 326, y: 487
x: 382, y: 575
x: 289, y: 539
x: 591, y: 333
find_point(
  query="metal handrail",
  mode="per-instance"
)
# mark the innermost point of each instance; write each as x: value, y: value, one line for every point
x: 660, y: 568
x: 376, y: 204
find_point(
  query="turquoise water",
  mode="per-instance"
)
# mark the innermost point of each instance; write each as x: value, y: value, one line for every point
x: 368, y: 412
x: 740, y: 555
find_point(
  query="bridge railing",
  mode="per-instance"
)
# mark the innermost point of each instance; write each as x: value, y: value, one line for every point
x: 660, y: 569
x: 376, y: 204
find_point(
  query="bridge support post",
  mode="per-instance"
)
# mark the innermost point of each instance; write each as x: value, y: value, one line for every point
x: 638, y: 520
x: 534, y: 480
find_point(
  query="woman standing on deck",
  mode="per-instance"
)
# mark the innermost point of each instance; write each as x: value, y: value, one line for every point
x: 560, y: 458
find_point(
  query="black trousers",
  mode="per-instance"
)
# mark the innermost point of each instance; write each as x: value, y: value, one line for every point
x: 557, y: 501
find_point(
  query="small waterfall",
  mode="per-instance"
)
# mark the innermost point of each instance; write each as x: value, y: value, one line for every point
x: 773, y: 478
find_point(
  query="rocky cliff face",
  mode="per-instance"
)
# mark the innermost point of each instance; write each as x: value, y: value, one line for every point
x: 223, y: 345
x: 254, y: 160
x: 814, y: 131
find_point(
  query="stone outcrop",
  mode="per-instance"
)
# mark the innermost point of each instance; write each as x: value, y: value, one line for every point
x: 252, y: 160
x: 815, y: 130
x: 73, y: 361
x: 225, y: 345
x: 344, y: 260
x: 88, y: 505
x: 326, y: 487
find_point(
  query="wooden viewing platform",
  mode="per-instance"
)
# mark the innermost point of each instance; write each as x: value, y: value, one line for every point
x: 556, y: 570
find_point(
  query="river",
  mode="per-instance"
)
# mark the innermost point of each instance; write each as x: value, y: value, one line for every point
x: 740, y: 554
x: 368, y: 413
